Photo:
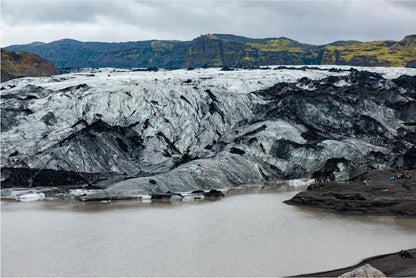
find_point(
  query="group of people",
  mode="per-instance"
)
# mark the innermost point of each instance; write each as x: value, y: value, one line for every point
x: 325, y: 180
x: 402, y: 176
x: 367, y: 182
x: 405, y: 254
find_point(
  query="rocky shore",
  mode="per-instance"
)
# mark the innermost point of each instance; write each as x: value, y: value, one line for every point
x: 373, y: 193
x: 391, y: 265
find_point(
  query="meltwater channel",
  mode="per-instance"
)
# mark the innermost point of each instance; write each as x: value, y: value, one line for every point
x: 241, y: 235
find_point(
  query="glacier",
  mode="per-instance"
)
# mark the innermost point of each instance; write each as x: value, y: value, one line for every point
x: 125, y: 133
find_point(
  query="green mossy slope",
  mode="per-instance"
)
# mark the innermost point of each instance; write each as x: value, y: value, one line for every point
x: 377, y: 53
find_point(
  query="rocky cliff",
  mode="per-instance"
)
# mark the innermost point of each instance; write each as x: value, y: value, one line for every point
x: 21, y: 64
x: 180, y: 131
x: 224, y: 50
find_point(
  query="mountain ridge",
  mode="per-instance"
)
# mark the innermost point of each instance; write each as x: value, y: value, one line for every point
x: 219, y: 50
x: 22, y: 64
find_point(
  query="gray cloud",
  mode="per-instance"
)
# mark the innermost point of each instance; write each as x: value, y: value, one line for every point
x: 316, y: 22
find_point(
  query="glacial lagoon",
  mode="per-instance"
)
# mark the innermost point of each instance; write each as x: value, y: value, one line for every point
x: 240, y: 235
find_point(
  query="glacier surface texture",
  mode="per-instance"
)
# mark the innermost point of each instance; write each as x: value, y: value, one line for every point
x: 136, y: 133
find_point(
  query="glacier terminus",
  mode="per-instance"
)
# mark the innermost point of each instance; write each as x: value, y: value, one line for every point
x: 105, y: 134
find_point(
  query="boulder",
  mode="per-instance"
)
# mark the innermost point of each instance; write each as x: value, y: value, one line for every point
x: 364, y: 271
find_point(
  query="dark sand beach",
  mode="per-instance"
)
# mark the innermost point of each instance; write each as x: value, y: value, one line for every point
x: 392, y: 265
x: 373, y: 193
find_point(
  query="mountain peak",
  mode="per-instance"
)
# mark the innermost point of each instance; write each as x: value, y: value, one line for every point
x: 67, y: 40
x: 340, y: 43
x: 37, y: 43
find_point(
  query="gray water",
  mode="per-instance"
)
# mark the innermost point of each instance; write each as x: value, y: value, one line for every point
x: 243, y: 235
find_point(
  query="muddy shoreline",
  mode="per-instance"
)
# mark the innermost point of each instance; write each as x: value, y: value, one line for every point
x: 392, y: 265
x: 374, y: 193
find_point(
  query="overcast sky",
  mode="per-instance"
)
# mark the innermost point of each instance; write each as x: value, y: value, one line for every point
x: 315, y: 22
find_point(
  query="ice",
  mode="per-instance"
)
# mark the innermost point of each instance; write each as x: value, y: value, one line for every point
x: 30, y: 197
x: 300, y: 183
x: 341, y: 83
x: 138, y: 124
x: 79, y: 192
